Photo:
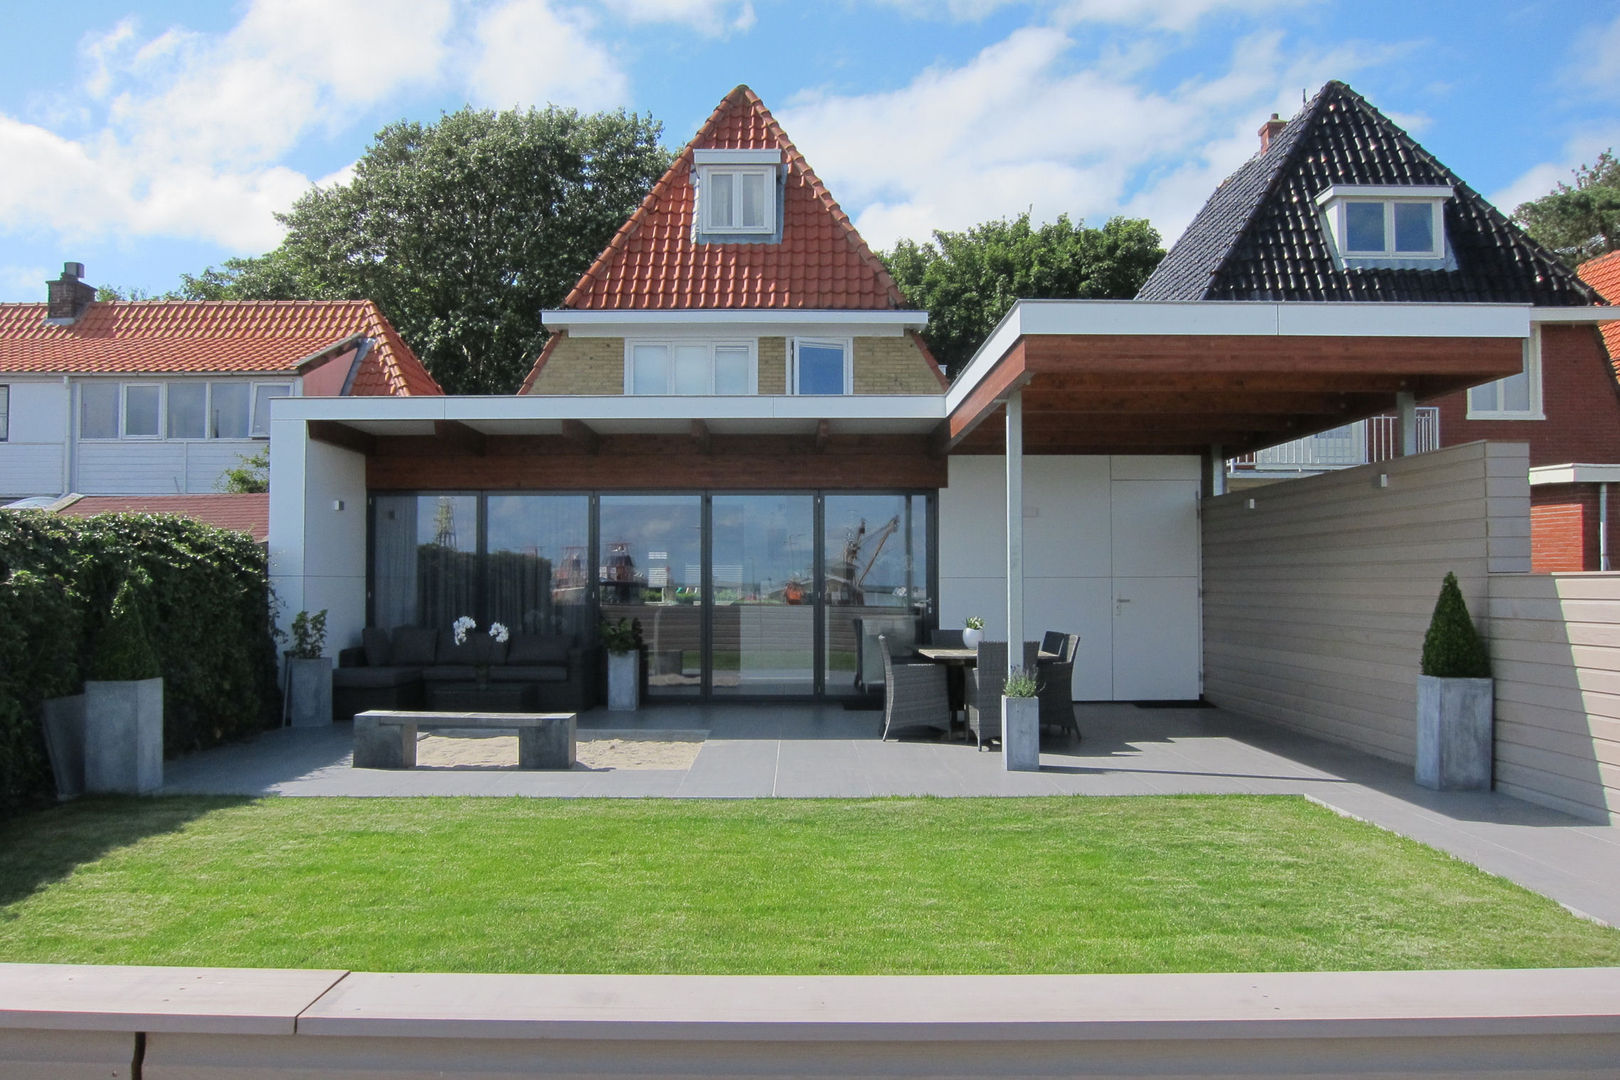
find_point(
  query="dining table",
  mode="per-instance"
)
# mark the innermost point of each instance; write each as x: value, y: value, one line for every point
x: 957, y: 659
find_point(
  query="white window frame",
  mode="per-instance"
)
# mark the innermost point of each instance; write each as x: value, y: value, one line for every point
x: 5, y: 412
x: 123, y: 410
x: 767, y: 175
x: 712, y: 344
x: 847, y: 344
x: 1532, y: 371
x: 253, y: 407
x: 1335, y: 199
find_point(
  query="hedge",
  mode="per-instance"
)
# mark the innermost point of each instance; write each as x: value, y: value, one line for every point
x: 202, y: 593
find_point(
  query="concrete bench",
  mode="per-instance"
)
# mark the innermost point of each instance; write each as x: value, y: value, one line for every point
x: 386, y: 739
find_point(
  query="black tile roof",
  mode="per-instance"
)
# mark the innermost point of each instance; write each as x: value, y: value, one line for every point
x: 1261, y: 235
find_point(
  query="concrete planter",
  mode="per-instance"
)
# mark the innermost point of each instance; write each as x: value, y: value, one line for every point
x: 123, y: 736
x: 1454, y: 733
x: 624, y: 681
x: 1020, y: 734
x: 972, y: 637
x: 309, y: 691
x: 64, y: 743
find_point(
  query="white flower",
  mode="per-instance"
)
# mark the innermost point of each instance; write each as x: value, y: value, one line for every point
x: 461, y: 626
x: 498, y: 632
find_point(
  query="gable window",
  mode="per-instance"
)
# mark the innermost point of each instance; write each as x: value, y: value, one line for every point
x: 1517, y: 397
x: 689, y: 368
x: 1386, y: 223
x: 737, y: 193
x: 5, y: 413
x: 819, y: 366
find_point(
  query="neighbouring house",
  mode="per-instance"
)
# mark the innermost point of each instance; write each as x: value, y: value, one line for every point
x: 161, y: 397
x: 244, y: 512
x: 736, y: 436
x: 1342, y: 206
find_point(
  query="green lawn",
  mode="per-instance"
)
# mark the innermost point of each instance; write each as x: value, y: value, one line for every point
x: 770, y: 886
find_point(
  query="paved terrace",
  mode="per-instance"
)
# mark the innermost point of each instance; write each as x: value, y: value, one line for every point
x: 794, y: 751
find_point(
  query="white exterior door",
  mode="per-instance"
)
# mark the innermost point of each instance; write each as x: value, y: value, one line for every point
x: 1155, y: 616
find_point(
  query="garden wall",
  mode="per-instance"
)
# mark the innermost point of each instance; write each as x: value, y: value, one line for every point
x: 1317, y: 592
x: 1555, y: 648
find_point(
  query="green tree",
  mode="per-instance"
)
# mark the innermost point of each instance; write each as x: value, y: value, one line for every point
x: 461, y: 231
x: 969, y: 280
x: 1580, y: 222
x: 250, y: 475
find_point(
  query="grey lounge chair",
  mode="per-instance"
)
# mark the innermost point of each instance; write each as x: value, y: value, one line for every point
x: 1056, y: 678
x: 984, y: 685
x: 913, y: 694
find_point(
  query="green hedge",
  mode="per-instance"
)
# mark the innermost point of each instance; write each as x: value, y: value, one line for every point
x: 201, y: 592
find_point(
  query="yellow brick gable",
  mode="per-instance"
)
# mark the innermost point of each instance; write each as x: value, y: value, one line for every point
x: 893, y: 365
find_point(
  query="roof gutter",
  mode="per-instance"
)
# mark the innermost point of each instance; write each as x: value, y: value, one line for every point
x: 360, y: 354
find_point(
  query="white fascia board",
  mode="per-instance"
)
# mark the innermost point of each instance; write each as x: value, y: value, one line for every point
x: 736, y: 157
x: 1237, y: 318
x: 1385, y: 191
x: 1575, y: 473
x: 782, y: 320
x: 1591, y: 313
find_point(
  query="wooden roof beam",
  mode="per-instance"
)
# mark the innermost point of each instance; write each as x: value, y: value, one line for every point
x: 582, y: 435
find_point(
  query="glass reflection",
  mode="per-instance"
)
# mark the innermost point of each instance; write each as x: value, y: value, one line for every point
x: 764, y: 603
x: 651, y: 568
x: 537, y: 570
x: 876, y: 574
x: 425, y: 559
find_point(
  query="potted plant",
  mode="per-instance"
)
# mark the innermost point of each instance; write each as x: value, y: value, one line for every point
x: 973, y: 631
x: 1455, y: 699
x: 123, y: 700
x: 309, y: 674
x: 1020, y: 722
x: 622, y: 640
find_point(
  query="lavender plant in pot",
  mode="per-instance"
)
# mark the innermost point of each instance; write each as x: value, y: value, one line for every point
x: 1020, y: 722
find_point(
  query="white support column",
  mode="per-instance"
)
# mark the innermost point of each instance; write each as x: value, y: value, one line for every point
x: 1406, y: 409
x: 1217, y: 470
x: 1015, y: 530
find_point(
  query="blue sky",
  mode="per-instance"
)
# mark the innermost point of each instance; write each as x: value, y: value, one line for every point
x: 147, y: 139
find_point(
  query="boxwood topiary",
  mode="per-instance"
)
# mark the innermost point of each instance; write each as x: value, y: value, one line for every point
x: 1452, y: 649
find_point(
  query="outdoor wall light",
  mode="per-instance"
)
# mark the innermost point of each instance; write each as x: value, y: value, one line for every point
x: 1248, y: 504
x: 1383, y: 479
x: 337, y: 504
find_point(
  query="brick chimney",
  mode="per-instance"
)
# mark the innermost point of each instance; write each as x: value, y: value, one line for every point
x: 67, y: 297
x: 1268, y: 131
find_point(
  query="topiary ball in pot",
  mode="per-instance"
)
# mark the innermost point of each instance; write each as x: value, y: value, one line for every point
x: 1452, y: 649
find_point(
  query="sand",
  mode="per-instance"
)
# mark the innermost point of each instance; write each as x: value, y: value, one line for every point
x: 596, y: 750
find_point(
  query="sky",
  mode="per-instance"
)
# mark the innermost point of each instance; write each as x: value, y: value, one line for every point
x: 150, y: 139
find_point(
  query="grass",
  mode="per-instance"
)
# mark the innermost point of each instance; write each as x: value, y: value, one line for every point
x: 770, y: 886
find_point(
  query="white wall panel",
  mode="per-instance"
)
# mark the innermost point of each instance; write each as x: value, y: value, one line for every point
x: 130, y: 467
x: 39, y: 411
x: 30, y: 469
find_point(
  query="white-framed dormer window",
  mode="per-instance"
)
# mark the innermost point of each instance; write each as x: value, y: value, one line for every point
x: 1387, y: 224
x: 689, y: 368
x: 1517, y: 397
x: 737, y: 192
x: 820, y: 366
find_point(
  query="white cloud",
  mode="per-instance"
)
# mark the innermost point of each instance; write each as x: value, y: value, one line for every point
x: 1162, y: 14
x: 529, y: 52
x: 28, y: 281
x: 1024, y: 125
x: 710, y: 17
x: 1595, y: 51
x: 1540, y: 179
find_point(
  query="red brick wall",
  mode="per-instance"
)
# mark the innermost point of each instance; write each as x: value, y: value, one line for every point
x: 1579, y: 398
x: 1564, y: 528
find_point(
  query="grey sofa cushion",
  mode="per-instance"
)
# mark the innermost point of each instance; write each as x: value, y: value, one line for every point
x: 479, y: 648
x: 413, y: 645
x: 529, y: 673
x: 437, y: 673
x: 374, y: 639
x: 531, y: 649
x: 360, y: 678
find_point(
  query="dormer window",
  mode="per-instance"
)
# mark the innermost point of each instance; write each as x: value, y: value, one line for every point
x: 1394, y: 225
x: 737, y: 194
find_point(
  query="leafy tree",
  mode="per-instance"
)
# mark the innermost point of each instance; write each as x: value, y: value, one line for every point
x: 1580, y: 222
x: 107, y: 293
x: 461, y: 231
x: 251, y: 474
x: 969, y: 280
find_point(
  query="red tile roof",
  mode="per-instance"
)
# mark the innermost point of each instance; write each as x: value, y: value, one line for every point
x: 168, y: 337
x: 1603, y: 274
x: 821, y: 261
x: 241, y: 513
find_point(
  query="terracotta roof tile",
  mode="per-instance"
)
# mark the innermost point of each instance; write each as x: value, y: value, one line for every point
x: 241, y: 513
x: 163, y: 337
x: 653, y: 261
x: 1603, y: 274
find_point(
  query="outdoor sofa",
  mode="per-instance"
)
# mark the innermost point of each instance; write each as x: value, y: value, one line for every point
x: 402, y: 668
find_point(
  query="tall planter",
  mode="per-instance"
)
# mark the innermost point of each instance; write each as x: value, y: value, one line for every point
x: 1454, y: 733
x: 123, y: 736
x: 624, y: 681
x: 309, y: 691
x: 1020, y: 734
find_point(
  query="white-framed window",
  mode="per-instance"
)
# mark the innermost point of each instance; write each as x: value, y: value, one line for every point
x: 178, y: 409
x: 262, y: 393
x: 98, y: 410
x: 5, y: 413
x: 820, y: 366
x: 1387, y: 222
x: 736, y: 191
x: 1517, y: 397
x: 689, y: 368
x: 143, y: 410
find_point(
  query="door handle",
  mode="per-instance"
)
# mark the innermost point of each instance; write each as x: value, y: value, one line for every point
x: 1119, y: 602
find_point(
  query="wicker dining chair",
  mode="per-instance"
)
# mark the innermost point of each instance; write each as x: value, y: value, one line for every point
x: 984, y: 685
x: 914, y: 695
x: 1056, y: 678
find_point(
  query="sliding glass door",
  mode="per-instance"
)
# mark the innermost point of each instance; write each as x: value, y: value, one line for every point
x: 876, y: 583
x: 764, y: 589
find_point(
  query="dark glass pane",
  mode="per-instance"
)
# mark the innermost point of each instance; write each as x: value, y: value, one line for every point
x: 821, y: 369
x: 425, y: 559
x: 876, y: 578
x: 537, y: 572
x: 1414, y: 227
x: 651, y: 569
x: 764, y: 611
x: 1364, y: 226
